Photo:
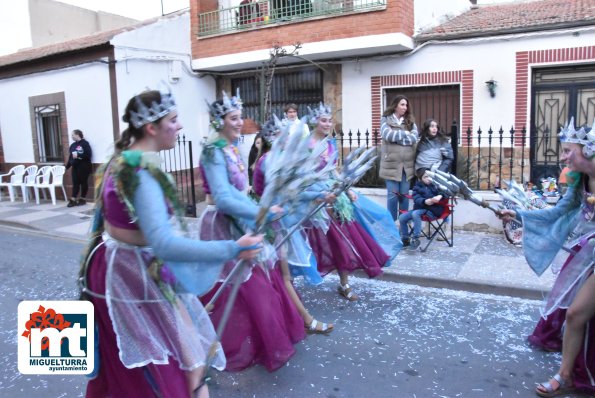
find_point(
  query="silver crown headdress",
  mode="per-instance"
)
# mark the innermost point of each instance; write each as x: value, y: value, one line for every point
x: 580, y: 136
x: 271, y: 129
x: 156, y: 111
x: 218, y: 110
x: 316, y: 113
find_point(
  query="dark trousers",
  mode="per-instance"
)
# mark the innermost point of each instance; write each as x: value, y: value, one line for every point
x: 80, y: 178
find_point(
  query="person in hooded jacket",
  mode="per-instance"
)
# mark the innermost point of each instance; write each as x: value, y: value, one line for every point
x: 80, y: 161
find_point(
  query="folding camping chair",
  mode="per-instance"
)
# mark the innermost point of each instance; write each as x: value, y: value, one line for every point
x: 437, y: 227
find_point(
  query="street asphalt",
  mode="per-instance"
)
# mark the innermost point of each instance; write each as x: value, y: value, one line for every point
x: 477, y: 262
x: 398, y: 341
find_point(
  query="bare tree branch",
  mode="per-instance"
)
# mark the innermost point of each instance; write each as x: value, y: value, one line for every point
x: 276, y: 53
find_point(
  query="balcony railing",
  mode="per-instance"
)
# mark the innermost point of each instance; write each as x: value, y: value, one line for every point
x: 256, y: 13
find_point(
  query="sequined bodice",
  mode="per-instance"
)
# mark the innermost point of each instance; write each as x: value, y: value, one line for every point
x: 236, y: 169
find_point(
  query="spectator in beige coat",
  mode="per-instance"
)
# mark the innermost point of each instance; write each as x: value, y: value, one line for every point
x: 397, y: 153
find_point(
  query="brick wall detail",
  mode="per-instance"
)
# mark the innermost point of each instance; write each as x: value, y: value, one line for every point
x: 462, y: 77
x: 396, y: 18
x: 526, y: 59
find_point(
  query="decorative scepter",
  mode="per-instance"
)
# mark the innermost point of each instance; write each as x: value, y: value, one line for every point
x: 291, y: 169
x: 452, y: 186
x: 516, y: 195
x: 351, y: 172
x: 288, y: 173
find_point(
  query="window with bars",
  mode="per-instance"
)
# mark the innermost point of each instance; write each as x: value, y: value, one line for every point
x: 47, y: 120
x: 303, y: 88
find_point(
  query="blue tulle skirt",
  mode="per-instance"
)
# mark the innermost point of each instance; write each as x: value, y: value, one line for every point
x: 378, y: 222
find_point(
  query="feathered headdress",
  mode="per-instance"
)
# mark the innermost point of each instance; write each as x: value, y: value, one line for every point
x: 580, y: 136
x: 316, y: 113
x: 271, y: 129
x: 218, y: 109
x: 144, y: 114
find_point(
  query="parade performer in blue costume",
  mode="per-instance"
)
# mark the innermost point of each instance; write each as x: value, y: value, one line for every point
x: 266, y: 323
x: 548, y: 236
x: 347, y: 245
x: 300, y: 257
x: 296, y: 257
x: 142, y: 275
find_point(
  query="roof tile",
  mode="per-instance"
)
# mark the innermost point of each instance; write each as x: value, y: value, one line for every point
x: 502, y: 18
x: 80, y: 43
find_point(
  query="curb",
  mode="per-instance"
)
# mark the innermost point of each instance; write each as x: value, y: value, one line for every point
x: 393, y: 276
x: 26, y: 228
x: 464, y: 285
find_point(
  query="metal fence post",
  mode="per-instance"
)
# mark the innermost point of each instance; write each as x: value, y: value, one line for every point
x: 191, y: 209
x: 454, y: 142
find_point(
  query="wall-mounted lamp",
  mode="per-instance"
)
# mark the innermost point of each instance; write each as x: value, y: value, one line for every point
x: 492, y: 87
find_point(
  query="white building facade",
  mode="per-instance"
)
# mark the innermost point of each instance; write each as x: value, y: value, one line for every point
x: 85, y: 84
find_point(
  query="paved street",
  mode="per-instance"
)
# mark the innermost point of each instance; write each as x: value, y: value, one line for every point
x: 398, y: 341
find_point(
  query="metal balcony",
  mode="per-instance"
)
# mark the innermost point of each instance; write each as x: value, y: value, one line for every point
x: 257, y: 13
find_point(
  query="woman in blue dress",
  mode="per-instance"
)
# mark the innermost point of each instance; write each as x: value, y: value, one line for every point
x: 296, y: 257
x: 346, y: 246
x: 266, y: 323
x: 142, y: 274
x: 568, y: 321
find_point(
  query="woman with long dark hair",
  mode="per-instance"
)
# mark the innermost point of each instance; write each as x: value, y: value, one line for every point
x: 142, y: 275
x: 397, y: 153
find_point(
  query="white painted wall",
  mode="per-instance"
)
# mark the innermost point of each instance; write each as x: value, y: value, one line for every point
x: 146, y: 58
x: 86, y: 90
x: 149, y: 58
x: 489, y: 59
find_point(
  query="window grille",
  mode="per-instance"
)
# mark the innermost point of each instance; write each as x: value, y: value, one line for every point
x: 303, y: 87
x: 47, y: 119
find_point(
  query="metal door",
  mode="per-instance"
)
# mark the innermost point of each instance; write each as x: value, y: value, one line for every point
x: 441, y: 103
x: 558, y: 94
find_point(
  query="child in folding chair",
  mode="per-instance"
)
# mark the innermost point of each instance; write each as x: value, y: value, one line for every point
x: 426, y: 198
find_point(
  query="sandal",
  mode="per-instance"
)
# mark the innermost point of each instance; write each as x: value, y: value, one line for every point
x: 346, y: 292
x: 316, y: 327
x: 547, y: 390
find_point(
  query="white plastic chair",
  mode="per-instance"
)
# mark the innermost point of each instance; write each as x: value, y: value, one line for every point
x: 50, y: 180
x: 31, y: 180
x: 8, y: 180
x: 28, y: 176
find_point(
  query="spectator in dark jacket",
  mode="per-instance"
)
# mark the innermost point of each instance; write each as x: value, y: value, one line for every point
x: 426, y: 198
x: 434, y: 150
x: 80, y: 161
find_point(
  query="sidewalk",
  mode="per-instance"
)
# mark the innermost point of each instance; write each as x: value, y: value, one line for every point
x: 477, y: 262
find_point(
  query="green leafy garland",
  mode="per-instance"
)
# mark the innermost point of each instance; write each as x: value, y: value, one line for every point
x: 123, y: 169
x: 344, y: 208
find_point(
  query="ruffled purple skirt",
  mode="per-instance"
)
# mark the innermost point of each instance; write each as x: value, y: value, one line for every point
x: 346, y: 247
x: 264, y: 324
x: 548, y: 336
x: 114, y: 379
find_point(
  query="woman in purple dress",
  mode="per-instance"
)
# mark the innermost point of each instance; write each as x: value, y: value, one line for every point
x: 346, y: 246
x: 142, y: 275
x: 266, y: 323
x: 568, y: 322
x: 295, y: 256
